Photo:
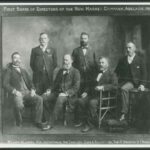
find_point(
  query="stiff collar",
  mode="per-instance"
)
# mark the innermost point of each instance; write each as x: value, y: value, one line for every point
x: 43, y: 47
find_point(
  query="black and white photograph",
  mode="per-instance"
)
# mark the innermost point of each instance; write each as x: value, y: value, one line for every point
x: 75, y: 74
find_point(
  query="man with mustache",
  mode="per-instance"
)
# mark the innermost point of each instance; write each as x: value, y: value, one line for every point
x: 43, y: 61
x: 84, y: 61
x: 64, y: 91
x: 18, y: 83
x: 105, y: 80
x: 131, y: 71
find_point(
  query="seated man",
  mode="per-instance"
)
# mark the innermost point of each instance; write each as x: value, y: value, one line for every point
x: 19, y: 85
x: 131, y: 72
x: 65, y: 88
x: 105, y: 80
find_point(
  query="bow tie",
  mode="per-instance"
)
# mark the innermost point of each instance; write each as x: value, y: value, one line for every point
x: 65, y: 71
x: 84, y: 47
x: 101, y: 71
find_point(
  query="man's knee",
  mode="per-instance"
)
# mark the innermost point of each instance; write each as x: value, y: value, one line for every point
x: 93, y: 103
x: 127, y: 86
x: 79, y: 102
x: 61, y: 100
x: 123, y: 88
x: 39, y: 100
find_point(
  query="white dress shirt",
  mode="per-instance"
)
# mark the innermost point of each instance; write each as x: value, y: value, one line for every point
x: 84, y: 51
x: 43, y: 48
x: 17, y: 68
x: 130, y: 58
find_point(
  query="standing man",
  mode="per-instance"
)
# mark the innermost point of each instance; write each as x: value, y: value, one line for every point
x: 84, y: 61
x: 131, y: 71
x: 43, y: 61
x: 17, y: 82
x: 64, y: 91
x: 105, y: 80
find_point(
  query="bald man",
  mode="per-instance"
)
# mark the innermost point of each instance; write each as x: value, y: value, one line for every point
x: 105, y: 80
x: 66, y: 86
x: 131, y: 71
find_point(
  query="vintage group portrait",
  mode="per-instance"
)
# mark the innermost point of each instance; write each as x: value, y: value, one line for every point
x: 75, y: 74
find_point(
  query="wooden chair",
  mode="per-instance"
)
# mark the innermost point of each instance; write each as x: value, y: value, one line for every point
x: 107, y: 102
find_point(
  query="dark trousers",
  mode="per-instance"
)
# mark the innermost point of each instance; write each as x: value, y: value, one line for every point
x: 125, y: 96
x: 92, y: 115
x: 54, y: 107
x: 42, y: 83
x: 81, y: 108
x: 26, y: 99
x: 48, y: 106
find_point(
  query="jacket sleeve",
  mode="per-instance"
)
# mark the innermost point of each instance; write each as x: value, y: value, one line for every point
x: 32, y: 58
x: 29, y: 81
x: 74, y: 64
x: 143, y: 73
x: 56, y: 82
x: 76, y: 84
x: 92, y: 74
x: 113, y: 83
x: 6, y: 81
x: 117, y: 70
x: 55, y: 58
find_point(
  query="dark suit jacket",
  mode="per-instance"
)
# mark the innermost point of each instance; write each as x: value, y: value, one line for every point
x: 69, y: 83
x: 138, y: 70
x: 108, y: 80
x: 12, y: 79
x: 39, y: 59
x: 79, y: 63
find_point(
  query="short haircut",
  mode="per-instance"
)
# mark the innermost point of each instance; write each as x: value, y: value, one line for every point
x: 68, y: 55
x: 84, y: 33
x: 130, y: 42
x: 106, y: 58
x: 43, y: 33
x: 15, y: 53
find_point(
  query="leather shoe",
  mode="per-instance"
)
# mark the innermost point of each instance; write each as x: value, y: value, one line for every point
x: 78, y: 125
x: 46, y: 127
x: 86, y: 129
x: 40, y: 125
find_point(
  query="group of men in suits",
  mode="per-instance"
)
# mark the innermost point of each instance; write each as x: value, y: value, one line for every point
x: 76, y: 84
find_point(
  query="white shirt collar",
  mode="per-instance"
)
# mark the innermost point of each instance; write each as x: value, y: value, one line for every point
x: 130, y: 58
x: 43, y: 47
x: 17, y: 68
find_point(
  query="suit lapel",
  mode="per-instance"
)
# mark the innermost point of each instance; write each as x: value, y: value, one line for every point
x: 24, y: 77
x: 134, y: 59
x: 16, y: 72
x: 103, y: 77
x: 40, y: 51
x: 81, y: 52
